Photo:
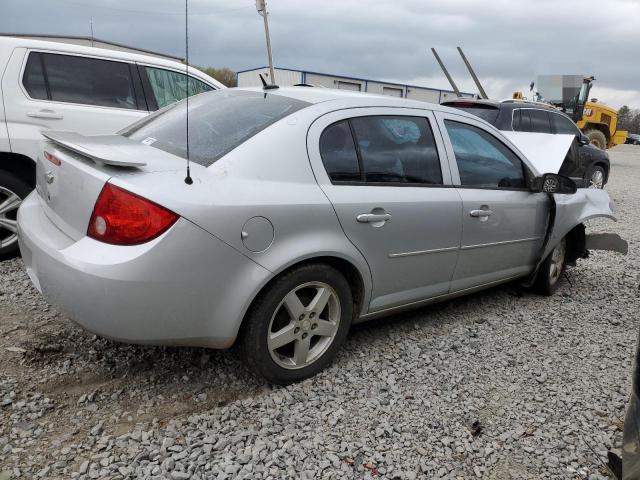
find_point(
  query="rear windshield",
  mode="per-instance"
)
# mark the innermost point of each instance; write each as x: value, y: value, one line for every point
x: 489, y: 114
x: 219, y: 121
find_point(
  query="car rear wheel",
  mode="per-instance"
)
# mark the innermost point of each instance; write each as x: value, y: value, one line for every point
x: 12, y: 191
x: 297, y: 325
x: 597, y: 138
x: 551, y: 270
x: 595, y: 178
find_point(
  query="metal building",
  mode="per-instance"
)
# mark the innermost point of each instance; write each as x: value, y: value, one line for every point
x: 287, y: 77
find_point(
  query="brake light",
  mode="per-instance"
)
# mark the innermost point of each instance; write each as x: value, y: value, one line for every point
x: 52, y: 158
x: 123, y: 218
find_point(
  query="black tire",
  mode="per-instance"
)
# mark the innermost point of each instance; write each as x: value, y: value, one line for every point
x: 10, y: 184
x: 596, y: 177
x: 597, y: 138
x: 257, y: 326
x: 548, y: 278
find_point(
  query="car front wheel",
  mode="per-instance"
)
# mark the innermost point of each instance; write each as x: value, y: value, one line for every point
x: 297, y: 325
x: 595, y: 178
x: 551, y: 270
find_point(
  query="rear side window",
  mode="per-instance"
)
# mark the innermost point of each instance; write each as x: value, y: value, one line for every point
x: 33, y: 78
x: 484, y: 161
x: 562, y: 124
x: 338, y: 153
x: 81, y: 80
x: 219, y: 121
x: 170, y: 87
x: 397, y: 149
x: 521, y: 120
x: 539, y: 121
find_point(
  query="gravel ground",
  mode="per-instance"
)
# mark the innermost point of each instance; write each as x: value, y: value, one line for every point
x: 546, y: 378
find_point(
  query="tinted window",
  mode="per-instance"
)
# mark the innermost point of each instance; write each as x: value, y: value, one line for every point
x: 521, y: 120
x: 89, y: 81
x: 563, y: 124
x: 484, y: 161
x: 339, y: 153
x: 397, y: 149
x: 489, y: 114
x: 218, y: 122
x: 170, y: 87
x: 33, y: 79
x: 539, y: 121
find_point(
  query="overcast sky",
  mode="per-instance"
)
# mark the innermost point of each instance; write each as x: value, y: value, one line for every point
x: 508, y: 42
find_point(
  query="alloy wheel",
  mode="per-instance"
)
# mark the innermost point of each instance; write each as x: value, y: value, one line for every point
x: 304, y: 325
x: 9, y: 203
x: 557, y: 262
x: 596, y: 180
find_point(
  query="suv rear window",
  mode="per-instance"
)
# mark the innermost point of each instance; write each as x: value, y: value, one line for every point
x: 219, y: 121
x: 486, y: 112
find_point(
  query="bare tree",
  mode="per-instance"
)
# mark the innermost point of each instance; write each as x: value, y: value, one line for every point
x: 224, y: 75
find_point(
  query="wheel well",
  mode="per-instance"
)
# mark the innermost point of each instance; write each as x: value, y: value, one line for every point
x: 345, y: 267
x: 19, y: 165
x: 576, y: 244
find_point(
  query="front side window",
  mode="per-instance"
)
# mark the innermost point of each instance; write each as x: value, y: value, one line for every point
x: 397, y: 149
x: 170, y: 87
x: 563, y: 124
x: 483, y: 160
x: 89, y: 81
x: 218, y: 123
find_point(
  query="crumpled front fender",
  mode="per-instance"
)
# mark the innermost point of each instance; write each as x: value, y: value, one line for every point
x: 572, y: 210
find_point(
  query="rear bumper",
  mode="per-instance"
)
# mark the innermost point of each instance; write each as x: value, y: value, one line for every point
x: 185, y: 287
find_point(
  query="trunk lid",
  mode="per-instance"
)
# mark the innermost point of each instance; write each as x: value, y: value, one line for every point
x: 68, y: 191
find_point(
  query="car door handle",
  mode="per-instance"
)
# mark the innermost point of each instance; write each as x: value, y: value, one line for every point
x: 48, y: 114
x: 480, y: 213
x: 373, y: 217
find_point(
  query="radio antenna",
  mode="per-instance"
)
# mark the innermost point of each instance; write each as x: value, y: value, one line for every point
x: 188, y: 180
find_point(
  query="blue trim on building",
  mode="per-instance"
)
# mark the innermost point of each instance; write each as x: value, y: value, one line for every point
x: 305, y: 72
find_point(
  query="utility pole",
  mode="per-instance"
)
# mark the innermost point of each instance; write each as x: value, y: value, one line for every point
x: 483, y: 94
x: 261, y: 6
x: 446, y: 73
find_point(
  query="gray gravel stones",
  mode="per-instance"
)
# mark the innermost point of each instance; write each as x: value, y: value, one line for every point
x: 546, y: 378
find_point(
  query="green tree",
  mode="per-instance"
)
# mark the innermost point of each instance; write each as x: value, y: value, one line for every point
x: 224, y: 75
x: 625, y: 117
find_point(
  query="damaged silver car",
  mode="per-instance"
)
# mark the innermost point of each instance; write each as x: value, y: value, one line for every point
x: 304, y: 210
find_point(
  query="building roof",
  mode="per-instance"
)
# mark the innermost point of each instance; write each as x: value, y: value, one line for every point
x: 347, y: 77
x: 89, y: 41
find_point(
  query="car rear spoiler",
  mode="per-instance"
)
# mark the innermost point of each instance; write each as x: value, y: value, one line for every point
x: 113, y: 150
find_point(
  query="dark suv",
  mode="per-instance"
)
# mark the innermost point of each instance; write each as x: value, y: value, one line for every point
x: 585, y: 164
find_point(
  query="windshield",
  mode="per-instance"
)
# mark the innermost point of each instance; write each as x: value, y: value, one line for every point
x: 219, y: 121
x: 488, y: 114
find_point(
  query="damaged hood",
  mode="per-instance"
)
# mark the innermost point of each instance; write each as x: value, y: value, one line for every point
x: 545, y: 152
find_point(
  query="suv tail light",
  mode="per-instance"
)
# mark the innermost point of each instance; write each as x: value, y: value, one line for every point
x: 123, y: 218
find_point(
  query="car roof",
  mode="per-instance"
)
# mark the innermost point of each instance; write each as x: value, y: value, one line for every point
x: 502, y: 104
x: 106, y: 53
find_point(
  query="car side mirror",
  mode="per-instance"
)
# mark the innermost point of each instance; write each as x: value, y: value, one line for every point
x: 583, y: 139
x: 554, y: 183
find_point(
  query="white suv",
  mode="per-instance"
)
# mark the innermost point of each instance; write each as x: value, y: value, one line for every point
x: 53, y: 85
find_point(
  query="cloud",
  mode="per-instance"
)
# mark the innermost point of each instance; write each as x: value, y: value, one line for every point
x: 509, y: 42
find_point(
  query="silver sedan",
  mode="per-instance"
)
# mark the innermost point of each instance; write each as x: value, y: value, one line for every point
x: 303, y: 211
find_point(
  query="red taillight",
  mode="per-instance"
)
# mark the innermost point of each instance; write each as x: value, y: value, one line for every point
x: 124, y: 218
x: 52, y: 158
